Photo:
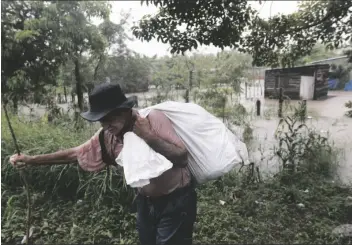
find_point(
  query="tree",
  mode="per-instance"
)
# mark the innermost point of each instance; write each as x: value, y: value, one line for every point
x: 30, y: 57
x: 77, y: 35
x: 132, y: 72
x: 93, y: 64
x: 115, y: 36
x: 232, y: 68
x: 220, y: 23
x: 281, y: 40
x: 169, y: 72
x: 318, y: 52
x: 39, y: 37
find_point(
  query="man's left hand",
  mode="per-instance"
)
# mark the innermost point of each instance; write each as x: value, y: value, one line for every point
x: 142, y: 128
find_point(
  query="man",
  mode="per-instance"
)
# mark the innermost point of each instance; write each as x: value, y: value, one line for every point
x: 166, y: 208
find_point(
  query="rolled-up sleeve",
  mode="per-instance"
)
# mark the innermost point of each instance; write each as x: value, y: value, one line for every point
x: 89, y: 154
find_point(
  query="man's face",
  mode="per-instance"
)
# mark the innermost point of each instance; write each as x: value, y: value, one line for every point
x: 117, y: 120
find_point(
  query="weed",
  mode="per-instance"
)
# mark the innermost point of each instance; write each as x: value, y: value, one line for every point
x: 303, y: 150
x: 300, y: 112
x: 247, y: 134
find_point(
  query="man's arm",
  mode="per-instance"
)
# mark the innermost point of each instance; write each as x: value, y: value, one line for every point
x: 60, y: 157
x: 160, y: 135
x: 177, y: 155
x: 88, y: 156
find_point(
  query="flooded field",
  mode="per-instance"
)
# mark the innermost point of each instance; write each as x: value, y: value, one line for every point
x: 327, y: 116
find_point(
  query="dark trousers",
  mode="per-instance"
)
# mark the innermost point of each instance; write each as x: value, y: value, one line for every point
x: 167, y: 219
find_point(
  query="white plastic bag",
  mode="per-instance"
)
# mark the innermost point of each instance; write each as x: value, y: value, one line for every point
x: 213, y: 149
x: 142, y: 162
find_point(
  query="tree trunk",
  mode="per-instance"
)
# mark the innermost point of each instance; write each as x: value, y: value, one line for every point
x: 97, y: 68
x: 65, y: 94
x: 187, y: 96
x: 78, y: 85
x: 15, y: 105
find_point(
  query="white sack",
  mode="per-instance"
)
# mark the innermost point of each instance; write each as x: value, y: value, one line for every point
x: 213, y: 149
x: 141, y: 162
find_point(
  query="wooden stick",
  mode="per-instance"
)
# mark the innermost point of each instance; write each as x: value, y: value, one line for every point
x: 22, y: 175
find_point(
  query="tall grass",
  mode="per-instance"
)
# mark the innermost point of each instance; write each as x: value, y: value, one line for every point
x: 65, y: 184
x: 303, y: 150
x: 72, y: 206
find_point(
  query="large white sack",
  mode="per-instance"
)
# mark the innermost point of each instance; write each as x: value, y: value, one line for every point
x: 142, y: 165
x: 213, y: 149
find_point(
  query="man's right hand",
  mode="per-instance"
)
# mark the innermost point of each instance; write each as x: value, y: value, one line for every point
x: 20, y: 160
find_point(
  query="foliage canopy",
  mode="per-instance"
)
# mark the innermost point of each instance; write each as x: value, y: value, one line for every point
x: 280, y: 40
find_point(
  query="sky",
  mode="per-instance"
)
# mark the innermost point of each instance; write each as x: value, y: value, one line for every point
x: 137, y: 11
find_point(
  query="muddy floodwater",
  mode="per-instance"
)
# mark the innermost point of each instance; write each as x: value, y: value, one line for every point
x: 327, y: 116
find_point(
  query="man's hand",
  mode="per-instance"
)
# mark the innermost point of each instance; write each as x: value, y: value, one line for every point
x: 142, y: 128
x: 20, y: 160
x: 177, y: 155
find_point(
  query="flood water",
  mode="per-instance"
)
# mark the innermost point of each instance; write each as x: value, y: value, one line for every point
x: 326, y: 116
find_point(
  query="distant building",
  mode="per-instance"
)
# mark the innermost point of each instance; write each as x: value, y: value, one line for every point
x: 304, y: 82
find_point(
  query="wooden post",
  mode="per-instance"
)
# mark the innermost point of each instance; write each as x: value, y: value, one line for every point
x: 281, y: 100
x: 304, y: 112
x: 258, y: 104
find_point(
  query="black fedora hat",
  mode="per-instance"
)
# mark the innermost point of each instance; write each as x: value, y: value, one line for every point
x: 105, y: 98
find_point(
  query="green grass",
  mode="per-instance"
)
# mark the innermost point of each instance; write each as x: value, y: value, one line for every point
x: 72, y: 206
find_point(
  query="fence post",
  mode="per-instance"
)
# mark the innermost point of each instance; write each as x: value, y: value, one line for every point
x: 304, y: 109
x: 258, y: 104
x: 281, y: 100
